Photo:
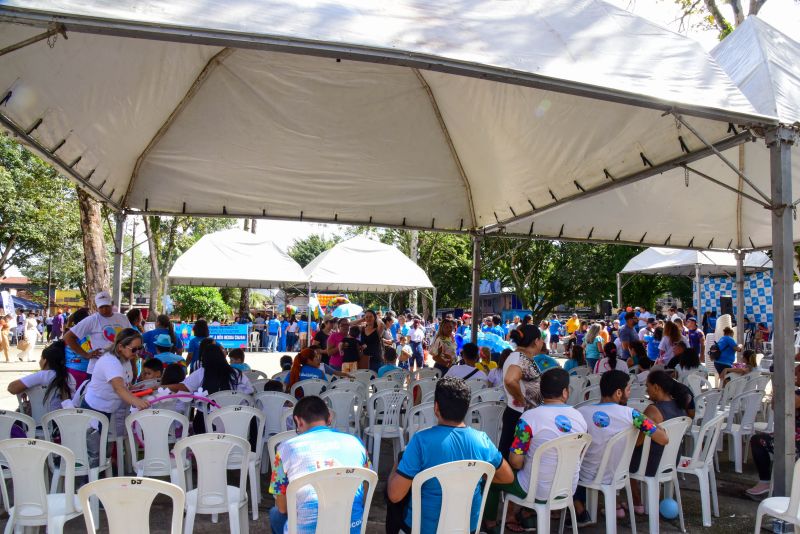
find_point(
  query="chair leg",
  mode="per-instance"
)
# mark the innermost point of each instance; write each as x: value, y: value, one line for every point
x: 705, y: 497
x: 652, y: 504
x: 712, y: 477
x: 573, y: 516
x: 737, y: 453
x: 610, y: 500
x: 254, y: 491
x: 630, y: 506
x: 592, y: 496
x: 55, y: 524
x: 188, y: 522
x: 234, y: 518
x: 376, y: 451
x: 10, y: 524
x: 244, y: 524
x: 759, y: 518
x: 543, y: 521
x: 678, y: 499
x: 502, y: 523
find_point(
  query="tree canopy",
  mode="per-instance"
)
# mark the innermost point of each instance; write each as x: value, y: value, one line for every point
x: 195, y: 302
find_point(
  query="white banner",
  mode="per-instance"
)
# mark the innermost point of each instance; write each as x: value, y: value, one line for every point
x: 8, y: 303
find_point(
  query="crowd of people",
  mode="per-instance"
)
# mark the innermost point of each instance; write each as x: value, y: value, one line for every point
x: 101, y: 355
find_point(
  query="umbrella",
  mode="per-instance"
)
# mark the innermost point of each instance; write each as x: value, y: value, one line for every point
x: 493, y: 341
x: 347, y: 310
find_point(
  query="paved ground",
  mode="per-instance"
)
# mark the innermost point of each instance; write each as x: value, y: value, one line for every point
x: 737, y: 512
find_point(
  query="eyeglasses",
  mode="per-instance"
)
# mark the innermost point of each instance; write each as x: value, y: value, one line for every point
x: 135, y: 349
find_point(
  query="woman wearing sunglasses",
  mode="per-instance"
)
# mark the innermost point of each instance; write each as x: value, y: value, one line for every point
x: 112, y: 375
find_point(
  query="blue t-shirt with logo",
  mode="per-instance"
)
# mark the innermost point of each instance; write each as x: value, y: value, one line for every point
x: 273, y: 326
x: 726, y: 346
x: 149, y: 339
x: 302, y: 327
x: 75, y: 361
x: 555, y: 327
x: 169, y: 357
x: 439, y: 445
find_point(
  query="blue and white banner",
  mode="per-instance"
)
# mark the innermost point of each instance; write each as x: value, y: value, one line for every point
x: 232, y: 336
x: 757, y: 295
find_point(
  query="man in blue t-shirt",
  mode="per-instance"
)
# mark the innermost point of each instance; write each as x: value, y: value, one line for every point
x: 449, y: 441
x: 555, y: 331
x: 274, y: 332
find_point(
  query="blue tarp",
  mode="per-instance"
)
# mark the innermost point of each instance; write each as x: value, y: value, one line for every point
x: 25, y: 304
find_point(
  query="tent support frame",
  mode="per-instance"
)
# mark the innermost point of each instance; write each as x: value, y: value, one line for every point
x: 476, y: 287
x: 54, y: 28
x: 698, y: 292
x: 116, y: 285
x: 780, y: 140
x: 739, y: 296
x: 723, y: 185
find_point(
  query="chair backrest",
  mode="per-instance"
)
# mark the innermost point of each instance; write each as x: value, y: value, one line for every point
x: 570, y: 450
x: 258, y: 384
x: 733, y: 388
x: 127, y: 502
x: 675, y: 429
x: 397, y: 375
x: 388, y: 405
x: 429, y: 396
x: 426, y: 372
x: 310, y: 387
x: 348, y: 384
x: 591, y: 393
x: 382, y: 384
x: 458, y: 481
x: 744, y: 409
x: 364, y: 376
x: 419, y: 418
x: 639, y: 404
x: 272, y: 404
x: 72, y: 424
x: 705, y: 445
x: 487, y: 417
x: 274, y: 441
x: 576, y: 385
x: 153, y: 426
x: 594, y: 380
x: 336, y: 489
x: 254, y: 375
x: 487, y: 394
x: 26, y: 460
x: 580, y: 371
x: 346, y: 406
x: 280, y: 375
x: 638, y: 391
x: 794, y: 495
x: 616, y: 459
x: 756, y: 383
x: 706, y: 405
x: 231, y: 398
x: 425, y: 386
x: 212, y: 453
x: 235, y: 421
x: 478, y: 382
x: 39, y: 403
x: 9, y: 419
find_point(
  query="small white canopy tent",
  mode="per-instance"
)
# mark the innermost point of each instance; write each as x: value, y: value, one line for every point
x: 235, y: 258
x: 363, y: 264
x: 694, y: 264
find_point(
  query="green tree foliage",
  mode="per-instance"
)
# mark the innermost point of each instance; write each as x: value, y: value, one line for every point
x: 303, y: 251
x: 195, y: 302
x: 722, y: 16
x: 38, y: 212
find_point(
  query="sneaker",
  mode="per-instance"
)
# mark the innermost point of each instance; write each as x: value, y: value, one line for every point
x: 762, y: 488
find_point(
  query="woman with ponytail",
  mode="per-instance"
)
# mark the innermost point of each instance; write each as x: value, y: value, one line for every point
x: 610, y: 362
x: 304, y: 367
x: 671, y: 399
x: 60, y: 384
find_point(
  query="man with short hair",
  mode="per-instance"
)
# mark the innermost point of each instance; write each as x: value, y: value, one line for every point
x: 449, y: 441
x: 273, y: 330
x: 555, y: 332
x: 91, y: 337
x: 317, y: 447
x: 605, y: 420
x: 644, y: 315
x: 467, y: 369
x: 697, y: 340
x: 649, y: 328
x: 627, y: 335
x: 552, y: 419
x: 573, y: 324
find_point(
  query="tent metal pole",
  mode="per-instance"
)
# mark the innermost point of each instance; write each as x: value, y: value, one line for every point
x: 476, y: 287
x: 308, y: 325
x: 116, y: 285
x: 779, y: 141
x: 740, y: 319
x: 697, y: 291
x: 433, y: 304
x: 619, y: 290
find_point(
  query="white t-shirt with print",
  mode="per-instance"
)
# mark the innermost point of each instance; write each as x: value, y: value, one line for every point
x: 43, y: 378
x: 462, y: 370
x: 513, y: 359
x: 100, y: 394
x: 606, y: 420
x: 535, y: 428
x: 100, y: 331
x: 194, y: 381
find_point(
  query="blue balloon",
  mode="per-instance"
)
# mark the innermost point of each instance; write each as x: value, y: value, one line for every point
x: 668, y: 508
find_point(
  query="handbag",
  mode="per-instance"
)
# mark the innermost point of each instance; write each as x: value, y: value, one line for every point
x: 23, y: 344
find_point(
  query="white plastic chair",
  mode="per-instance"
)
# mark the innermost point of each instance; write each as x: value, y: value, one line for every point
x: 580, y: 371
x: 621, y: 448
x: 254, y: 375
x: 346, y: 407
x: 576, y: 385
x: 272, y: 404
x: 488, y: 394
x: 33, y: 506
x: 741, y: 424
x: 784, y: 508
x: 236, y: 421
x: 594, y: 379
x: 37, y: 400
x: 429, y: 396
x: 487, y: 417
x: 258, y: 384
x: 591, y: 393
x: 275, y: 440
x: 7, y: 422
x: 365, y: 376
x: 477, y: 383
x: 155, y: 427
x: 279, y: 376
x: 384, y: 410
x: 231, y: 398
x: 666, y: 472
x: 701, y: 465
x: 336, y: 488
x: 570, y: 450
x: 425, y: 386
x: 349, y: 384
x: 127, y: 502
x: 419, y: 418
x: 383, y: 384
x: 213, y: 495
x: 311, y: 387
x: 697, y: 383
x: 398, y: 375
x: 426, y: 372
x: 638, y: 404
x: 458, y: 481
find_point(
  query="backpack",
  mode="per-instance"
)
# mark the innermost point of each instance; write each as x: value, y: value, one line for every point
x: 714, y: 352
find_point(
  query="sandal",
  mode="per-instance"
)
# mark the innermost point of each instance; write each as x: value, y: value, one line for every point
x: 514, y: 527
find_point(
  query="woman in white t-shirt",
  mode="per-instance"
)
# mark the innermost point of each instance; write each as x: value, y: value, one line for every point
x: 112, y: 375
x: 59, y: 383
x: 610, y: 361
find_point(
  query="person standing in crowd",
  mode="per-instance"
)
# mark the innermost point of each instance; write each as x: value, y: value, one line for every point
x: 672, y: 335
x: 416, y: 336
x: 302, y: 332
x: 443, y: 348
x: 20, y: 333
x: 5, y: 335
x: 320, y: 340
x: 163, y: 327
x: 555, y: 331
x: 728, y: 349
x: 371, y: 339
x: 274, y: 332
x: 48, y: 328
x: 317, y: 445
x: 259, y: 325
x: 134, y: 316
x: 593, y: 345
x: 643, y: 317
x: 31, y: 334
x: 647, y: 330
x: 199, y: 333
x: 449, y: 441
x: 96, y: 333
x: 57, y: 327
x: 627, y: 335
x: 291, y: 334
x: 573, y: 324
x: 335, y: 356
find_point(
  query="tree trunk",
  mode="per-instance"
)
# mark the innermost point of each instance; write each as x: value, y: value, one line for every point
x: 94, y: 248
x: 414, y: 255
x: 155, y: 277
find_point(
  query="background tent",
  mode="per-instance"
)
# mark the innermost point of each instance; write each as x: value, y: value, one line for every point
x: 361, y: 264
x: 235, y: 258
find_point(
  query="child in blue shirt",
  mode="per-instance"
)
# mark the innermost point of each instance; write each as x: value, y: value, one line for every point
x: 236, y: 356
x: 390, y: 359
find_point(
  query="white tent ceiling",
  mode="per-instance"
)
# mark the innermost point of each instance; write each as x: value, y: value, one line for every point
x: 235, y: 258
x: 361, y: 264
x: 411, y: 113
x: 763, y: 63
x: 674, y: 262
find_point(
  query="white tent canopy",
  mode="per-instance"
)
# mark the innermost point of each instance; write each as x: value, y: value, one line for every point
x: 362, y: 264
x: 235, y: 258
x: 673, y: 262
x: 409, y: 113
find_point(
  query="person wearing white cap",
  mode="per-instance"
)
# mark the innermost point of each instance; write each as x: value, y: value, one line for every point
x: 91, y: 337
